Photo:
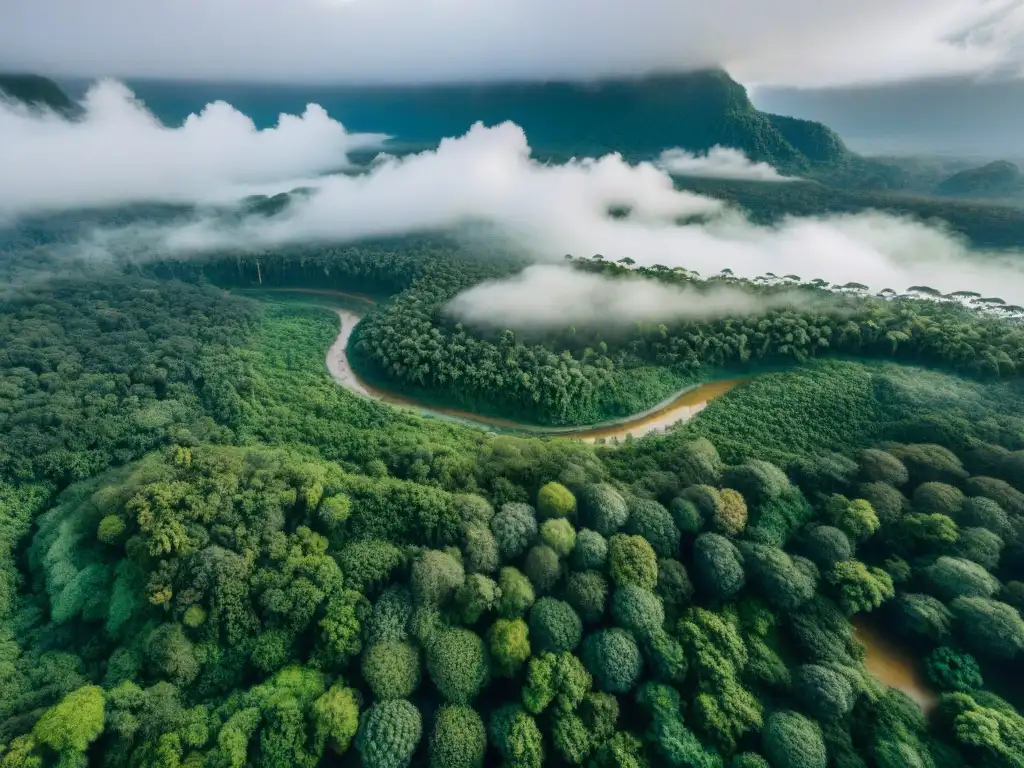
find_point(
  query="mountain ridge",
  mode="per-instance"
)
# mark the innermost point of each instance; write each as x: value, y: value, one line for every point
x: 638, y: 117
x: 35, y: 91
x: 994, y: 179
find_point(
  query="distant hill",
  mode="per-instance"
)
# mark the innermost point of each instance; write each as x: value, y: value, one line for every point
x: 998, y: 179
x: 985, y: 223
x: 34, y: 90
x: 639, y: 117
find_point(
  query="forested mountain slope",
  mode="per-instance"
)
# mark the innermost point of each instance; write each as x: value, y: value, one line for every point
x: 997, y: 179
x: 34, y: 90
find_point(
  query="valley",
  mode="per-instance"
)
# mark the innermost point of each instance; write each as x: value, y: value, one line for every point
x: 512, y: 448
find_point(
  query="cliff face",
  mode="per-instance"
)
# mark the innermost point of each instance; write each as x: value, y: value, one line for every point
x: 34, y: 90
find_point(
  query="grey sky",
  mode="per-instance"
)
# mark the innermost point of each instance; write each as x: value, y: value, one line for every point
x: 792, y: 42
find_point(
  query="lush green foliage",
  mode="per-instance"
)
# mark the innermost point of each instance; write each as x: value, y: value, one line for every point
x: 554, y: 626
x: 212, y: 556
x: 391, y: 669
x: 952, y: 670
x: 456, y: 660
x: 389, y: 733
x: 458, y: 739
x: 793, y: 741
x: 613, y: 659
x: 585, y: 375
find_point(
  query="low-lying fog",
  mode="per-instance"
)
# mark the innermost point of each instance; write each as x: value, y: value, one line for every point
x: 551, y: 296
x: 119, y: 153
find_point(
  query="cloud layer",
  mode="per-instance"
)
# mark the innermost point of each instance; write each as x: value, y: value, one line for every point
x: 796, y: 42
x: 550, y: 210
x: 117, y: 152
x: 718, y: 163
x: 487, y: 176
x: 550, y: 296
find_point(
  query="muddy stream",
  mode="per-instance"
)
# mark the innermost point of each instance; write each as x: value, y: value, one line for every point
x: 894, y: 665
x: 680, y: 407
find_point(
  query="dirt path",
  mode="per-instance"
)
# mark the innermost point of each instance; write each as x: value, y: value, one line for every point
x: 680, y: 407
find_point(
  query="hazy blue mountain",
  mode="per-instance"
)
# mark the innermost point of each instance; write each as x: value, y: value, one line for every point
x: 639, y: 117
x: 1000, y: 178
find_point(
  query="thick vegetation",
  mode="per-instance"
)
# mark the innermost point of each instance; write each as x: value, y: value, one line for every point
x: 578, y: 376
x: 212, y: 556
x: 570, y: 376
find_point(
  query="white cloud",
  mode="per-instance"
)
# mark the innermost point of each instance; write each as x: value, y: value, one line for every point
x: 487, y: 175
x: 718, y: 163
x: 550, y: 296
x: 796, y: 42
x: 118, y: 152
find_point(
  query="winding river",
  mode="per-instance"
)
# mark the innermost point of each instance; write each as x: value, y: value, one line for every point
x: 894, y: 665
x: 680, y: 407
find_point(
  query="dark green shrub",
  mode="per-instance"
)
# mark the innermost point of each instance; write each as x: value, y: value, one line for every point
x: 790, y: 740
x: 554, y: 626
x: 514, y: 527
x: 603, y: 509
x: 718, y: 566
x: 590, y: 552
x: 613, y: 658
x: 587, y: 593
x: 951, y: 670
x: 651, y: 520
x: 637, y: 610
x: 389, y: 732
x: 457, y: 663
x: 392, y: 670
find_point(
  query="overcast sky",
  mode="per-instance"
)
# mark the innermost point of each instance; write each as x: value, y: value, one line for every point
x: 785, y: 42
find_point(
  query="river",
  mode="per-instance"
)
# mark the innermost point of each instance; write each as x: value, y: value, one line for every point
x: 681, y: 407
x: 893, y: 665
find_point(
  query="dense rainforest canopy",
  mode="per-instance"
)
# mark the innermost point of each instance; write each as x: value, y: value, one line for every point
x: 412, y: 344
x: 211, y: 555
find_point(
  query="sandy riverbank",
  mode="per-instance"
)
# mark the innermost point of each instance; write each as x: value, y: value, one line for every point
x: 337, y: 359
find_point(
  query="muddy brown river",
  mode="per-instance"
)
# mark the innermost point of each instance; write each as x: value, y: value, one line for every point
x: 681, y: 407
x: 894, y: 665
